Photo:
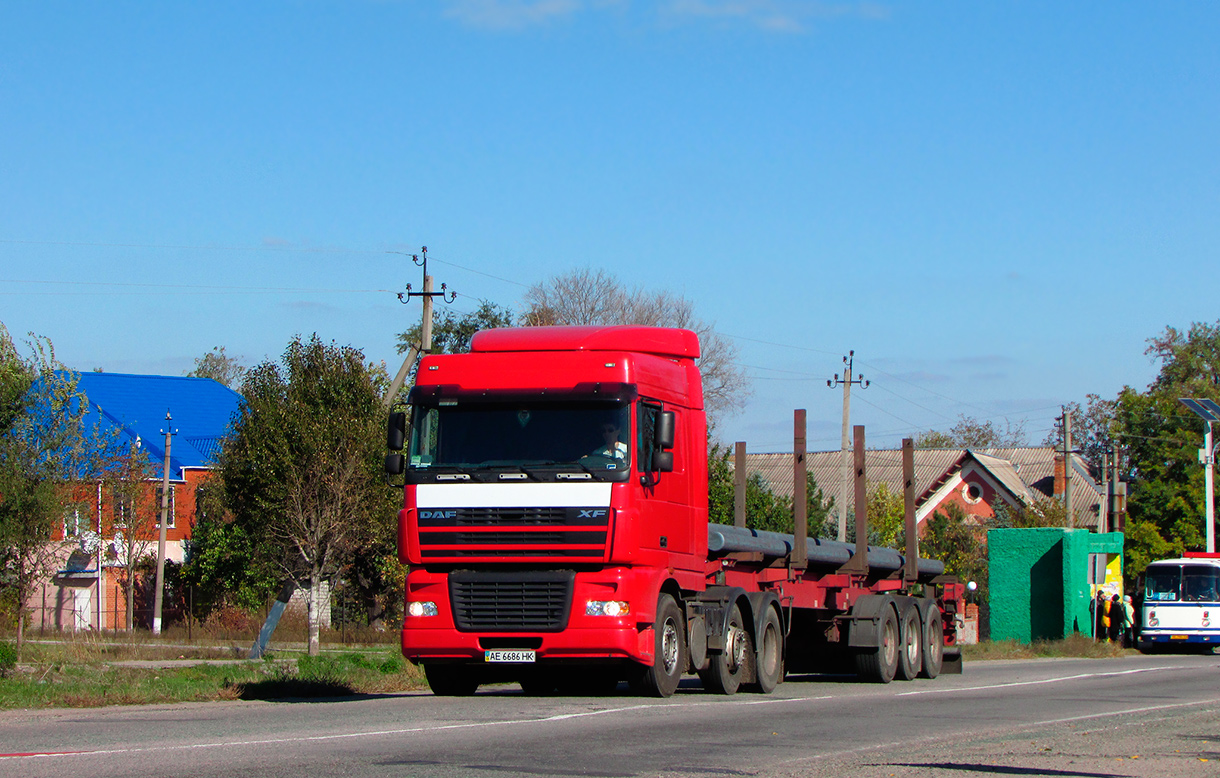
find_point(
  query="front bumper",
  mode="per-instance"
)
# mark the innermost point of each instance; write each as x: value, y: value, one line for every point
x: 585, y: 638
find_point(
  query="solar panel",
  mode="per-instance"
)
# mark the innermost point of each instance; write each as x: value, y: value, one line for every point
x: 1210, y: 405
x: 1204, y: 413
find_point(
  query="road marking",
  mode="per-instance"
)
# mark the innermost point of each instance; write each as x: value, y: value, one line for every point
x: 1035, y: 683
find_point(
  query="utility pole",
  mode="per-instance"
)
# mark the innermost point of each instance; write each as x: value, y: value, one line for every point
x: 1067, y: 466
x: 425, y: 346
x: 845, y: 445
x: 157, y: 597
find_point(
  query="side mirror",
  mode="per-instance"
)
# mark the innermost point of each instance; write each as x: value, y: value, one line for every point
x: 664, y: 433
x: 396, y: 433
x: 663, y: 461
x: 395, y: 464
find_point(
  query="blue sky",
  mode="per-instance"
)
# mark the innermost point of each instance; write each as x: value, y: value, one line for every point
x: 993, y: 204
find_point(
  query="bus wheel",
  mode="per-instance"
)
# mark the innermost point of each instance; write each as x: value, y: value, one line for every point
x: 933, y: 642
x: 879, y: 664
x: 728, y: 667
x: 669, y: 652
x: 910, y: 642
x: 770, y: 655
x: 451, y: 680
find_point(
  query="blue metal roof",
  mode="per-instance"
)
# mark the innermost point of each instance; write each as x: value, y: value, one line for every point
x: 202, y: 410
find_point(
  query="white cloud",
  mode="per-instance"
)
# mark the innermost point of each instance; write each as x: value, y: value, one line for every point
x: 782, y: 16
x: 510, y: 14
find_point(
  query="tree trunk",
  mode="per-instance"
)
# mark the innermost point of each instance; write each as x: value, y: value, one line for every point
x: 315, y: 598
x: 129, y: 589
x: 20, y: 623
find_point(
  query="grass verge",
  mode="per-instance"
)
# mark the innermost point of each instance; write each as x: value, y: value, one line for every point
x: 83, y: 684
x: 1078, y: 646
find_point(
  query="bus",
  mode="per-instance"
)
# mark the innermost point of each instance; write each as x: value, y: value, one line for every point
x: 1181, y: 603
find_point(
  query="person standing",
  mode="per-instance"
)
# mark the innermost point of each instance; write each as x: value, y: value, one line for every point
x: 1118, y: 619
x: 1129, y: 610
x: 1101, y: 624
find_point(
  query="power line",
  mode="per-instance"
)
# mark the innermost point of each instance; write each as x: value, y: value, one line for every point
x: 204, y: 288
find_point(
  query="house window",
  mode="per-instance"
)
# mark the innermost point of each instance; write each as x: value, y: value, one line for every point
x: 71, y: 523
x: 169, y: 518
x: 972, y: 493
x: 122, y: 510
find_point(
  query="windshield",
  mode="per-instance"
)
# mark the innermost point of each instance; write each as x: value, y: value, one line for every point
x: 589, y: 436
x: 1200, y: 583
x: 1161, y: 583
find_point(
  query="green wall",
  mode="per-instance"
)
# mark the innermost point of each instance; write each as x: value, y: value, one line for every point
x: 1039, y: 581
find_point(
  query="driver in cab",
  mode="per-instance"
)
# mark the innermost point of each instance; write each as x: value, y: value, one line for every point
x: 612, y: 448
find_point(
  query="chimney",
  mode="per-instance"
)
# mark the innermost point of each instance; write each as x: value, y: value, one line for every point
x: 1060, y: 477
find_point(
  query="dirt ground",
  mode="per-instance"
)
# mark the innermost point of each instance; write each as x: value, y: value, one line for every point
x: 1177, y: 745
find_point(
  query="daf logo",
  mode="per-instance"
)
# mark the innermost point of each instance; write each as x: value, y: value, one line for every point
x: 447, y: 514
x: 593, y: 513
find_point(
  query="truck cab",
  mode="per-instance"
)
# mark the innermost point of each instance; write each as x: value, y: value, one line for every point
x: 555, y: 484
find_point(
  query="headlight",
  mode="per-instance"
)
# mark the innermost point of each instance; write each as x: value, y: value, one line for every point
x: 606, y: 608
x: 421, y: 609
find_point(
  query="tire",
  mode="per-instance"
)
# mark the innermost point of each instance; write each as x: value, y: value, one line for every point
x: 451, y: 680
x: 910, y: 643
x: 728, y: 668
x: 933, y: 642
x: 880, y: 664
x: 770, y: 657
x: 669, y: 652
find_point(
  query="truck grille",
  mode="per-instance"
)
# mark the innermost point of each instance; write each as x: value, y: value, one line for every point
x: 536, y: 601
x: 465, y: 533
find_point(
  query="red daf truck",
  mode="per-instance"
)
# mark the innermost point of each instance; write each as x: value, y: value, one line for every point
x: 556, y: 527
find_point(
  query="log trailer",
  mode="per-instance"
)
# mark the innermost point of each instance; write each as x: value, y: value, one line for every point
x: 555, y: 524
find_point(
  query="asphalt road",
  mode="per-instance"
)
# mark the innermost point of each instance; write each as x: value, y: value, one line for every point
x: 1132, y: 716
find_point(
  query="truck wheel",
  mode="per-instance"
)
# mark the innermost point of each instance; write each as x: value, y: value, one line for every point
x: 669, y: 652
x: 910, y: 636
x: 770, y: 657
x: 878, y: 665
x: 451, y: 680
x: 933, y: 642
x: 727, y: 668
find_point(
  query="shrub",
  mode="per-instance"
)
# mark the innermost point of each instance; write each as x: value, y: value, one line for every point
x: 8, y: 659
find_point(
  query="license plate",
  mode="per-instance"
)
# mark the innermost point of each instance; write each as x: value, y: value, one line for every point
x: 515, y: 657
x: 1179, y: 637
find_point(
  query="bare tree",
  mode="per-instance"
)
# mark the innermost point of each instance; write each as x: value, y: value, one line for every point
x: 970, y: 432
x: 134, y: 519
x: 595, y: 297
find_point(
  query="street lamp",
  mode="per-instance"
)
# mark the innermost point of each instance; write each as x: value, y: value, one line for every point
x: 1209, y: 411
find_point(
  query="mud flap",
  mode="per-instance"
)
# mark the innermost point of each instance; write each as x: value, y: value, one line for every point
x: 951, y: 664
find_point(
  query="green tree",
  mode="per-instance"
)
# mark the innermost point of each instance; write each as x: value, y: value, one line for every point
x: 302, y: 472
x: 765, y: 510
x: 46, y: 451
x: 1161, y: 439
x: 954, y: 538
x: 1092, y: 434
x: 219, y: 366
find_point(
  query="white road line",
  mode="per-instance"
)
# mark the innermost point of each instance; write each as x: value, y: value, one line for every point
x: 1035, y: 683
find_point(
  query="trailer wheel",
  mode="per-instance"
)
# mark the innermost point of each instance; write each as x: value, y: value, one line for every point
x: 911, y: 641
x: 933, y: 642
x: 669, y: 652
x: 727, y: 668
x: 879, y: 664
x: 770, y: 655
x: 451, y: 680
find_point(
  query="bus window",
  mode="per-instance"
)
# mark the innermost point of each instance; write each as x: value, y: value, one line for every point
x: 1200, y: 583
x: 1161, y: 583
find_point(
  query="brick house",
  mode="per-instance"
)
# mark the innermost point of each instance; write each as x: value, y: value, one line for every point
x: 86, y: 591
